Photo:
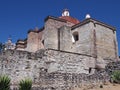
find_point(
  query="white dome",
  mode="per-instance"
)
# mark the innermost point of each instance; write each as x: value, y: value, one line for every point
x: 65, y: 12
x: 88, y: 16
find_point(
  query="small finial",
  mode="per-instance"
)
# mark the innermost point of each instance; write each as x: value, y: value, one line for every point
x: 87, y: 16
x: 65, y: 12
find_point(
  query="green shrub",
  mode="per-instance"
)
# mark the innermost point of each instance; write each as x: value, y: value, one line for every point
x: 4, y: 82
x: 116, y: 76
x: 25, y: 84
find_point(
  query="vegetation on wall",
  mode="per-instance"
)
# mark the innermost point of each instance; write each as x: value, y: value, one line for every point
x: 25, y: 84
x: 4, y: 82
x: 116, y: 76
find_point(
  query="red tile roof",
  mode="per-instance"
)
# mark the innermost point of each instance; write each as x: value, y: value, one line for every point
x: 70, y: 19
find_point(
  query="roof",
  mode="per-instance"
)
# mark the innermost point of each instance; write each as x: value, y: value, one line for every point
x: 21, y: 41
x: 95, y: 22
x: 63, y: 19
x: 55, y: 18
x: 70, y: 19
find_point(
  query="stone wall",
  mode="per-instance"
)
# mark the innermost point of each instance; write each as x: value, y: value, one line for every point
x: 21, y: 64
x: 68, y: 81
x: 41, y: 39
x: 65, y: 39
x: 63, y: 61
x: 106, y: 42
x: 51, y: 69
x: 85, y: 44
x: 51, y: 33
x: 32, y: 42
x: 97, y: 40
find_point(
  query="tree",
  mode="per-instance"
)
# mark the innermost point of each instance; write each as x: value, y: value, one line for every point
x: 2, y: 47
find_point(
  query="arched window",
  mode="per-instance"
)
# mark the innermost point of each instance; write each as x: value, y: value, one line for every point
x: 75, y: 36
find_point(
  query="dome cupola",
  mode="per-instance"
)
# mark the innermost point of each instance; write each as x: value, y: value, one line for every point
x: 65, y: 12
x: 66, y: 16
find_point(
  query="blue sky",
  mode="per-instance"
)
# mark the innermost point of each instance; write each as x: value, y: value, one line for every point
x: 18, y: 16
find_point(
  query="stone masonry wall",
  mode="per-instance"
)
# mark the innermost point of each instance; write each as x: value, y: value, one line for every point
x: 65, y: 38
x: 21, y: 64
x: 51, y: 33
x: 96, y: 40
x: 85, y: 44
x: 63, y: 61
x: 106, y: 42
x: 32, y: 42
x: 67, y: 81
x: 51, y: 69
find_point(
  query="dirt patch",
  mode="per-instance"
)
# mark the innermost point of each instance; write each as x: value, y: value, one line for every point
x: 105, y: 87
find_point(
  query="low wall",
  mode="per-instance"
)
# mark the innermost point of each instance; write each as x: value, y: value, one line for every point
x: 69, y: 62
x: 19, y: 65
x: 51, y: 69
x: 67, y: 81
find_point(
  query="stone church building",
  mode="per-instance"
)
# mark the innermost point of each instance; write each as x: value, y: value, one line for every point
x: 65, y: 33
x: 62, y: 52
x: 71, y: 45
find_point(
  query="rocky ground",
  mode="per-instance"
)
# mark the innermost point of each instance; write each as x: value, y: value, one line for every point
x: 105, y: 87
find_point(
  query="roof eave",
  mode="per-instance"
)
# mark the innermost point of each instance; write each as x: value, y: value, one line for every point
x: 95, y: 22
x: 55, y: 18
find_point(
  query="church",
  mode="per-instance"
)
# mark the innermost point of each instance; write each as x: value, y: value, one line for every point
x: 66, y: 33
x: 65, y: 53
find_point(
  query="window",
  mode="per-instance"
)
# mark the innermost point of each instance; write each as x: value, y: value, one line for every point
x: 90, y: 69
x: 43, y: 42
x: 75, y: 36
